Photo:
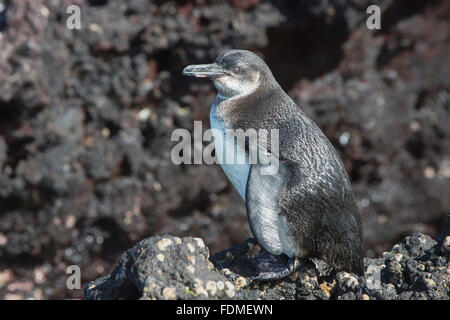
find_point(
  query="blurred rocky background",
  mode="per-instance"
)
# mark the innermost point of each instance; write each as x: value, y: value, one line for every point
x: 86, y: 118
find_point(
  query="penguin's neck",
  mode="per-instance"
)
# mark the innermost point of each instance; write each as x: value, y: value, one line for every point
x: 220, y: 107
x: 230, y: 108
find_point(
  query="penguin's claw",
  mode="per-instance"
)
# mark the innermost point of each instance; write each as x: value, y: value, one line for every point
x: 271, y: 267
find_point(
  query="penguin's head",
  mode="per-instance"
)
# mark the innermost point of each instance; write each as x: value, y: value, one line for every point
x: 235, y: 72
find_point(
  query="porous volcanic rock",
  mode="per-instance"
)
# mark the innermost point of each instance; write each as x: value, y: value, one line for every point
x: 167, y: 267
x: 86, y: 118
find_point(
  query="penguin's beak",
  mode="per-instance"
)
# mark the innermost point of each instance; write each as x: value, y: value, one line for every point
x: 212, y: 70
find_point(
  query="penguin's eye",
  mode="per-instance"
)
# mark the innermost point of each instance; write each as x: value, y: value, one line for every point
x: 236, y: 69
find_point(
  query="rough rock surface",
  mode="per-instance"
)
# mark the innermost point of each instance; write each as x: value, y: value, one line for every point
x: 167, y: 267
x: 86, y: 118
x: 163, y: 267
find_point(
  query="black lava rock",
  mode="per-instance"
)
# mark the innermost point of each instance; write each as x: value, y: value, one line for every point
x: 167, y: 267
x: 86, y: 118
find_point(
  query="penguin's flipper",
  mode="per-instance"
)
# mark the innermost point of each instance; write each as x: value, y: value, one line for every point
x: 263, y: 192
x: 262, y: 196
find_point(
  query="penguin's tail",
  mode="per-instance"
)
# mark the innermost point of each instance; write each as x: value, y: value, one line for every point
x: 357, y: 264
x: 346, y: 255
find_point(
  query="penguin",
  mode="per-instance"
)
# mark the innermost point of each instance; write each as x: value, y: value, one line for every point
x: 306, y: 210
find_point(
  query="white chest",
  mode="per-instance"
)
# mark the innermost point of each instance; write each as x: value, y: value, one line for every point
x: 231, y: 156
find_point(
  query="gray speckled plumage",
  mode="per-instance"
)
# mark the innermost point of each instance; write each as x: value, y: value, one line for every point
x: 315, y: 209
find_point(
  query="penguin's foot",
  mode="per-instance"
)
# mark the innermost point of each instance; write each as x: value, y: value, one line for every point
x: 273, y: 267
